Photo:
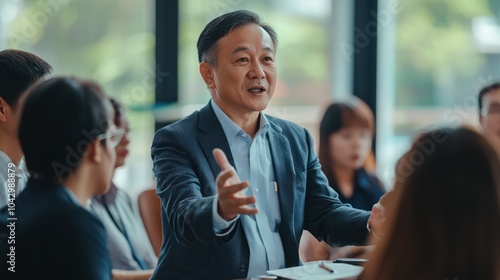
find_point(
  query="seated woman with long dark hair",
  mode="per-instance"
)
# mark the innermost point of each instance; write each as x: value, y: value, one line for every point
x: 443, y: 216
x: 68, y: 138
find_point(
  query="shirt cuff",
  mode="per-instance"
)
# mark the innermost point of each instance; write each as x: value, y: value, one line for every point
x: 221, y: 227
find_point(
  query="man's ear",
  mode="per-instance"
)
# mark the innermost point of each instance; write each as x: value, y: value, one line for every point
x: 206, y: 71
x: 481, y: 119
x: 94, y: 151
x: 4, y: 107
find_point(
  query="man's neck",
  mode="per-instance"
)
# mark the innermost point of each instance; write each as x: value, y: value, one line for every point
x: 250, y: 127
x: 248, y: 122
x: 11, y: 148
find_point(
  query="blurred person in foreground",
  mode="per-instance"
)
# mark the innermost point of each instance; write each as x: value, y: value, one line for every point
x: 68, y: 138
x: 443, y: 215
x: 238, y: 186
x: 18, y: 71
x: 128, y: 243
x: 345, y: 141
x: 489, y: 113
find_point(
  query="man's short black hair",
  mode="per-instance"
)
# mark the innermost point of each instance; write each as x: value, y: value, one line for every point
x: 18, y: 71
x: 484, y: 91
x: 221, y: 26
x: 60, y: 118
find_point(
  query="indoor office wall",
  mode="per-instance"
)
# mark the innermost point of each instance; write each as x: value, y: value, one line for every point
x: 434, y: 56
x: 111, y: 42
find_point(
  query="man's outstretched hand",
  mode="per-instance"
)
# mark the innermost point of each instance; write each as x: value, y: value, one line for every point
x: 232, y: 201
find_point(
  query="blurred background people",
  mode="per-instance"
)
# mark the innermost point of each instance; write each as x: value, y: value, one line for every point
x: 443, y: 217
x: 489, y: 114
x: 68, y: 137
x: 18, y: 71
x: 345, y: 142
x: 346, y: 135
x: 128, y: 243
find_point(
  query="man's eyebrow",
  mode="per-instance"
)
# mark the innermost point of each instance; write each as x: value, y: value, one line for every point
x: 243, y: 48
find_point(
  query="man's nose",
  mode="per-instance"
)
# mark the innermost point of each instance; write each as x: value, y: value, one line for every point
x: 257, y: 71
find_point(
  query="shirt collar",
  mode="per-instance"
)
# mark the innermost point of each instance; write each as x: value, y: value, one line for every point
x: 231, y: 129
x: 21, y: 166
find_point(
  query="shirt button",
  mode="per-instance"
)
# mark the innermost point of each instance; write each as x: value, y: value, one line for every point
x: 256, y: 189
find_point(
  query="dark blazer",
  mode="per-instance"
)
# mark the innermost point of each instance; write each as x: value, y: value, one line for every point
x: 186, y: 171
x: 55, y: 238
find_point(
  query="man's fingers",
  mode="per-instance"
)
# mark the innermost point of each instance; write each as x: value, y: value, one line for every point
x: 378, y: 210
x: 221, y: 159
x: 232, y: 205
x: 233, y: 189
x: 224, y: 176
x: 241, y: 201
x: 243, y: 205
x: 247, y: 210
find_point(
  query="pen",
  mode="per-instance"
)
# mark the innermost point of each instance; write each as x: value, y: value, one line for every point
x: 275, y: 186
x: 325, y: 267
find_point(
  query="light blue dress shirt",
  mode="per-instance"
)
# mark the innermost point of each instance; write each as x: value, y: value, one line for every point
x: 252, y: 158
x: 21, y: 176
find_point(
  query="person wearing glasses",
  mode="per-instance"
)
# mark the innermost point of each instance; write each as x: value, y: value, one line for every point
x: 18, y: 71
x: 128, y: 243
x: 68, y: 137
x: 489, y: 114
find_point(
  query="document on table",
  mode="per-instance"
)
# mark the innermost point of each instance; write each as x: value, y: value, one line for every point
x: 313, y: 271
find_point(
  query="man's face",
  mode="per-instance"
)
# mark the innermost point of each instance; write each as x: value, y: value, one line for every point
x: 490, y: 117
x: 244, y: 78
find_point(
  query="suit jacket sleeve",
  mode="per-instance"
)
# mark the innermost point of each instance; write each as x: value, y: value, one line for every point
x: 326, y: 217
x: 185, y: 185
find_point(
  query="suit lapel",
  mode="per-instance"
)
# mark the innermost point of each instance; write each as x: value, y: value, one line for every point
x: 281, y: 155
x: 211, y: 136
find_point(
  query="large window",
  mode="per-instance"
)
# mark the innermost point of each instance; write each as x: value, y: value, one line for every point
x: 433, y: 56
x: 443, y: 54
x: 111, y: 42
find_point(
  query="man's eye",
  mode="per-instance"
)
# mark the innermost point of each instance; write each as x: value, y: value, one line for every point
x: 268, y: 58
x: 243, y: 59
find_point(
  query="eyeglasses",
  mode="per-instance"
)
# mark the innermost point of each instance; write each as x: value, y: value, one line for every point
x: 114, y: 136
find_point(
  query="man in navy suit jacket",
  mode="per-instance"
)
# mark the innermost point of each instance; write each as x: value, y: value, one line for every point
x: 214, y: 225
